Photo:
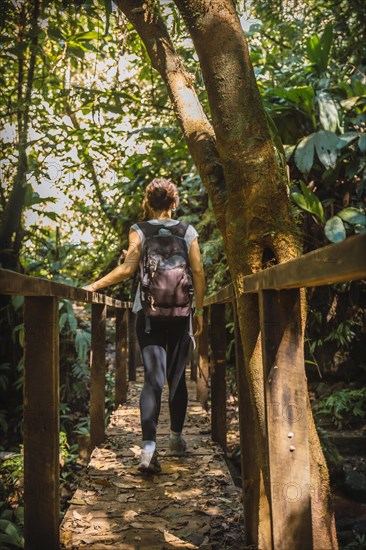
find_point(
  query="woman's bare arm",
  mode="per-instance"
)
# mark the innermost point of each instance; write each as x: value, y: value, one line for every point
x: 123, y: 271
x: 199, y: 284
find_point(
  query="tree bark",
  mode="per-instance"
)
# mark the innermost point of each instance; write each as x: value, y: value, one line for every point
x: 196, y: 128
x: 250, y: 200
x: 12, y: 217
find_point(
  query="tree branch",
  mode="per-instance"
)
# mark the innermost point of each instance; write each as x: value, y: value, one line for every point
x: 196, y: 128
x: 89, y: 162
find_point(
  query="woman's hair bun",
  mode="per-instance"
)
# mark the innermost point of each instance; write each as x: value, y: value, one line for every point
x: 161, y: 194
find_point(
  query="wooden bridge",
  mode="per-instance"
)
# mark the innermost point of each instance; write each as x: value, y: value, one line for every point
x: 190, y: 519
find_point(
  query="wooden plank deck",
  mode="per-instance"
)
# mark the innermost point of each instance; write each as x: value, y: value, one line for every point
x: 193, y: 503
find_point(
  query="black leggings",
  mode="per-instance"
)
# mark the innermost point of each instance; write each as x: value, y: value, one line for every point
x: 164, y: 353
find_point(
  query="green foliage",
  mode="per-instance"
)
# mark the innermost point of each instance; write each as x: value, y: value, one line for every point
x: 318, y: 49
x: 102, y: 127
x: 316, y: 97
x: 10, y: 532
x: 342, y: 406
x: 348, y: 218
x: 324, y: 143
x: 359, y: 542
x: 331, y: 453
x: 12, y: 471
x: 343, y: 334
x: 11, y: 509
x: 307, y: 200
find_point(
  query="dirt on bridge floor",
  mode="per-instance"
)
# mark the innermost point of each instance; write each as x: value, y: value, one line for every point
x: 193, y: 503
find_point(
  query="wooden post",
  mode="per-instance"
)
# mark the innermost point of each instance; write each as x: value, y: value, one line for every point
x: 121, y: 357
x: 132, y: 355
x: 218, y: 373
x: 248, y: 456
x: 202, y: 378
x: 246, y: 422
x: 41, y: 423
x: 286, y: 421
x: 97, y: 375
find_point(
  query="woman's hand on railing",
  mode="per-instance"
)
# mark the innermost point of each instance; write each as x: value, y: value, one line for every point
x: 89, y: 287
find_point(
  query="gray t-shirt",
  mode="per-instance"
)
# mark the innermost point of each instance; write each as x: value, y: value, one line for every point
x: 189, y: 237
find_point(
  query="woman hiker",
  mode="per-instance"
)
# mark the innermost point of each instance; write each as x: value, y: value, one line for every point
x: 161, y: 247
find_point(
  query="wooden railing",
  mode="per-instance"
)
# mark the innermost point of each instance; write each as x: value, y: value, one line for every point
x: 41, y: 424
x: 278, y: 289
x: 283, y: 367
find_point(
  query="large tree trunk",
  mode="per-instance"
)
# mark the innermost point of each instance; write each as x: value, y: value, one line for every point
x: 238, y: 166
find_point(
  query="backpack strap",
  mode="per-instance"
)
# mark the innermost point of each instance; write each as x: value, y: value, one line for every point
x: 151, y: 229
x: 180, y: 229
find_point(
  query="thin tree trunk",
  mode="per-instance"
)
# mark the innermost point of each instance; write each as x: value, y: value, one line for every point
x: 12, y: 217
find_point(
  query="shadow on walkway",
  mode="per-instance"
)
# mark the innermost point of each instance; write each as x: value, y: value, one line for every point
x: 193, y: 503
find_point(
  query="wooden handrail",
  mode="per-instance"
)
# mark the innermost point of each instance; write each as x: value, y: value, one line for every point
x: 14, y: 283
x: 335, y: 263
x: 222, y: 296
x: 41, y: 390
x: 279, y: 299
x: 282, y: 340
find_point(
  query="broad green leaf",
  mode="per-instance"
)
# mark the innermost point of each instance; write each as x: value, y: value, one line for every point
x: 318, y: 49
x: 113, y: 108
x: 300, y: 96
x: 89, y: 35
x: 36, y: 199
x: 304, y: 154
x: 313, y: 202
x: 328, y: 112
x: 353, y: 216
x: 326, y: 42
x: 334, y: 230
x: 359, y: 87
x: 301, y: 201
x: 17, y: 301
x: 359, y: 229
x: 346, y: 138
x: 52, y: 215
x: 76, y: 50
x: 362, y: 143
x: 313, y: 48
x: 308, y: 201
x: 325, y: 144
x: 55, y: 33
x: 303, y: 96
x: 11, y: 531
x: 276, y: 139
x: 326, y: 148
x: 62, y: 320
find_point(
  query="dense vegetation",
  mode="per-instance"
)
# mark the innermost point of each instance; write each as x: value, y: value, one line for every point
x: 86, y: 124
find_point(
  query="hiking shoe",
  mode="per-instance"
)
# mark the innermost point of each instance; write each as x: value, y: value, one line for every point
x: 149, y: 462
x: 177, y: 446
